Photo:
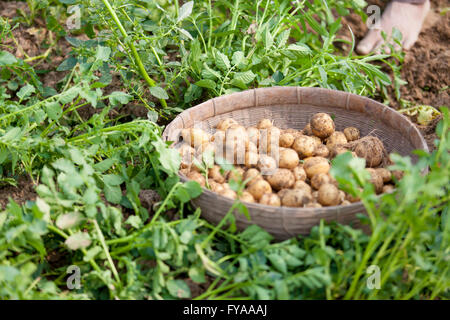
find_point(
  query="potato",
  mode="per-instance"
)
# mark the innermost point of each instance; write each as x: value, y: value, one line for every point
x: 251, y: 159
x: 252, y: 175
x: 295, y: 198
x: 299, y: 173
x: 307, y: 130
x: 247, y: 197
x: 281, y: 179
x: 236, y: 134
x: 319, y: 179
x: 317, y: 140
x: 335, y: 139
x: 282, y: 192
x: 196, y: 176
x: 322, y: 125
x: 388, y: 188
x: 337, y: 150
x: 351, y: 198
x: 321, y: 151
x: 215, y: 174
x: 185, y: 171
x: 345, y: 203
x: 195, y: 136
x: 187, y: 155
x: 397, y: 174
x: 370, y: 148
x: 264, y: 124
x: 313, y: 205
x: 216, y: 187
x: 376, y: 180
x: 341, y: 196
x: 236, y: 174
x: 269, y: 140
x: 328, y: 195
x: 270, y: 199
x: 351, y: 133
x: 302, y: 185
x: 225, y: 124
x: 315, y: 165
x: 258, y: 188
x: 385, y: 174
x: 315, y: 195
x: 304, y: 145
x: 253, y: 135
x: 288, y: 159
x: 286, y: 140
x: 228, y: 193
x: 266, y: 164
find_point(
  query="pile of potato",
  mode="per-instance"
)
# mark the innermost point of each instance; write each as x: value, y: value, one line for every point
x: 282, y: 167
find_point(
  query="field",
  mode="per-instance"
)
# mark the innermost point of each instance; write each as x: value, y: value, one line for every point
x: 88, y: 188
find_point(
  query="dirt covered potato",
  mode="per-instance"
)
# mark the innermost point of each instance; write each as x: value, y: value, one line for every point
x: 258, y: 188
x: 322, y: 125
x: 288, y: 159
x: 266, y: 164
x: 252, y: 175
x: 302, y: 185
x: 236, y: 174
x: 321, y: 151
x: 215, y: 174
x: 225, y: 124
x: 247, y: 197
x: 197, y: 176
x: 270, y: 199
x: 337, y: 138
x: 299, y: 173
x: 319, y: 179
x: 286, y: 140
x: 228, y: 193
x: 351, y: 133
x: 370, y: 148
x: 385, y: 174
x: 195, y: 136
x: 376, y: 180
x: 315, y: 165
x: 305, y: 146
x: 264, y: 124
x: 328, y: 195
x: 281, y: 179
x: 295, y: 198
x: 187, y: 154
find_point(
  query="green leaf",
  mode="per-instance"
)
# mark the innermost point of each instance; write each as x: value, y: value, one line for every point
x: 185, y: 11
x: 178, y: 289
x: 7, y: 58
x: 68, y: 220
x: 78, y: 240
x: 53, y: 110
x: 25, y: 91
x: 197, y: 274
x: 169, y: 158
x: 104, y: 165
x: 159, y: 93
x: 69, y: 95
x: 237, y: 58
x: 278, y: 262
x: 299, y: 48
x: 222, y: 61
x: 102, y: 53
x: 92, y: 253
x: 134, y: 221
x: 11, y: 135
x: 67, y: 64
x: 112, y: 179
x: 246, y: 77
x: 117, y: 97
x: 113, y: 193
x: 206, y: 83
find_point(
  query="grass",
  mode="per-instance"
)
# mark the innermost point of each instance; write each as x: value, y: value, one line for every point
x: 89, y: 171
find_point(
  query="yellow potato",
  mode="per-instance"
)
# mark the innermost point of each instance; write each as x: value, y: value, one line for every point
x: 264, y: 124
x: 322, y: 125
x: 315, y: 165
x: 225, y: 124
x: 258, y: 188
x: 288, y: 159
x: 196, y: 176
x: 304, y: 145
x: 295, y: 198
x: 335, y: 139
x: 299, y: 173
x: 302, y: 185
x: 195, y: 136
x: 286, y: 140
x: 281, y: 179
x: 385, y: 174
x: 247, y: 197
x: 228, y: 193
x: 215, y: 174
x: 319, y: 179
x: 328, y: 195
x: 351, y: 133
x: 270, y: 199
x: 252, y: 175
x: 321, y: 151
x: 266, y: 164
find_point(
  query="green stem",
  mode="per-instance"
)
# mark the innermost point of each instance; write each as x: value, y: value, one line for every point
x: 133, y: 49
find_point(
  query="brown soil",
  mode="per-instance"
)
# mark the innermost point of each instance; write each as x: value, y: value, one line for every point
x: 20, y: 194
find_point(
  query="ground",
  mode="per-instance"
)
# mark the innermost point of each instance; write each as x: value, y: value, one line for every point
x: 425, y: 69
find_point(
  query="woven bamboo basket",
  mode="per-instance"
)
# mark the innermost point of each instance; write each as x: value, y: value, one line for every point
x: 292, y: 107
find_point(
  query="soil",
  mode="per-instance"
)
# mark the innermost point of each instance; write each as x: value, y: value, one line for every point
x: 425, y: 69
